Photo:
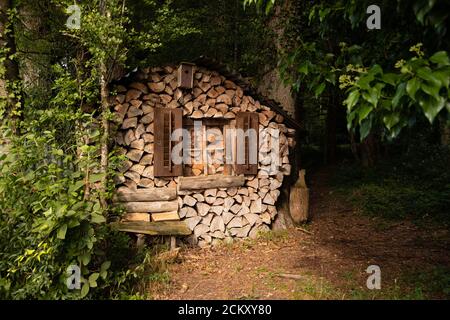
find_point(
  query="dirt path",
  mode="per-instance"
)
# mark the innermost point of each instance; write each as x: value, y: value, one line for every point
x: 330, y: 262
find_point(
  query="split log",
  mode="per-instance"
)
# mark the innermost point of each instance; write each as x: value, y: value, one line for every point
x: 227, y: 216
x: 236, y: 222
x: 240, y: 232
x: 202, y: 208
x: 138, y: 168
x: 156, y: 194
x: 268, y: 199
x: 190, y: 201
x: 129, y: 137
x: 210, y: 200
x: 152, y: 207
x: 265, y: 217
x: 133, y: 111
x: 147, y: 160
x: 135, y: 155
x: 252, y: 218
x: 209, y: 182
x: 129, y: 123
x: 217, y: 224
x: 139, y: 131
x: 133, y: 95
x: 244, y: 210
x: 210, y: 192
x: 217, y: 210
x: 197, y: 114
x: 199, y: 197
x: 228, y: 203
x: 222, y: 194
x: 187, y: 212
x: 157, y: 87
x: 201, y: 230
x: 136, y: 217
x: 146, y: 183
x: 139, y: 86
x: 165, y: 216
x: 138, y: 144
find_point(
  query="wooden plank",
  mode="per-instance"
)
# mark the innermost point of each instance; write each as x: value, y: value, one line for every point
x: 206, y: 122
x: 210, y: 182
x: 162, y: 137
x: 247, y: 121
x: 166, y: 228
x: 165, y: 216
x: 135, y: 216
x: 150, y: 194
x: 152, y: 207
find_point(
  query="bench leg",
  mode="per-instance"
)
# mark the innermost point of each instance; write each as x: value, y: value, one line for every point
x: 173, y: 242
x: 140, y: 242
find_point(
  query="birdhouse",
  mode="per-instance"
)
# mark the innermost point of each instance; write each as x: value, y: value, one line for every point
x: 186, y: 75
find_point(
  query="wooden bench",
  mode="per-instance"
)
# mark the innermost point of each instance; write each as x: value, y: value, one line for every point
x: 160, y: 228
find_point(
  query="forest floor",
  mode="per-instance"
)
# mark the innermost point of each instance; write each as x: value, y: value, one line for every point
x: 329, y: 261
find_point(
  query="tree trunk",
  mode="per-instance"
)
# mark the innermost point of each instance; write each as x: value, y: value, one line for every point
x: 444, y: 124
x: 330, y: 139
x: 104, y: 96
x: 11, y: 74
x: 33, y: 50
x: 370, y: 150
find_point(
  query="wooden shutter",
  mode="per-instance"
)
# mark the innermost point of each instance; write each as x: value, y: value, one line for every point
x: 166, y: 122
x: 246, y: 121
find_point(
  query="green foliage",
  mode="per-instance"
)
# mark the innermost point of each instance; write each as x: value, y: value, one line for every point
x: 331, y: 41
x: 394, y: 100
x: 51, y: 179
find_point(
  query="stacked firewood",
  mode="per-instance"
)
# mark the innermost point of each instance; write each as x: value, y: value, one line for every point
x: 215, y: 213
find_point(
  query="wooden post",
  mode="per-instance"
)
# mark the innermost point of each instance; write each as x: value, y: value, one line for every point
x: 140, y: 242
x: 173, y: 242
x: 299, y: 200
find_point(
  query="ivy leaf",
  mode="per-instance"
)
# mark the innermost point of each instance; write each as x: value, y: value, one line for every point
x: 432, y: 106
x: 84, y: 290
x: 390, y: 78
x: 62, y: 232
x: 85, y: 258
x: 430, y: 89
x: 97, y: 218
x: 304, y: 67
x: 426, y: 74
x: 77, y: 185
x: 93, y: 279
x: 96, y: 177
x: 391, y: 120
x: 319, y: 89
x: 350, y: 117
x: 441, y: 58
x: 364, y: 111
x: 105, y: 265
x: 443, y: 75
x: 352, y: 99
x: 401, y: 90
x: 365, y: 128
x: 412, y: 86
x: 371, y: 96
